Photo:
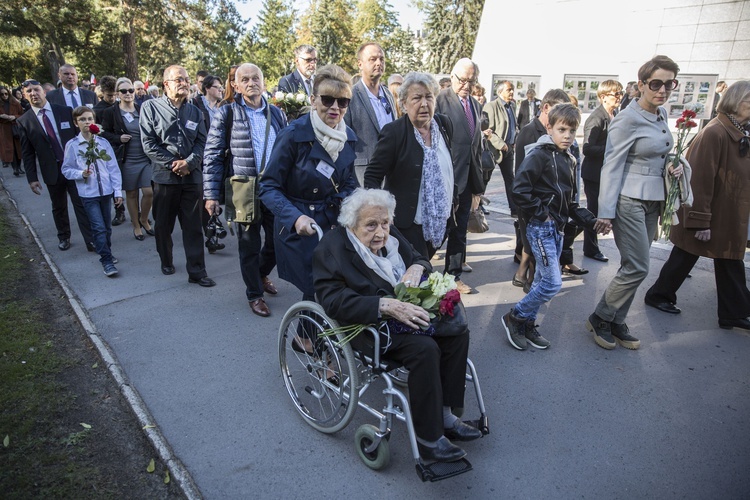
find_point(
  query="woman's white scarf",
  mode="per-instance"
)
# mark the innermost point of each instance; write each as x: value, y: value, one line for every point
x: 391, y: 267
x: 332, y: 139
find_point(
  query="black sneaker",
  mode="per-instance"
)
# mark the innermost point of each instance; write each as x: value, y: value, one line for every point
x: 515, y: 329
x: 622, y: 336
x: 533, y: 337
x: 602, y: 331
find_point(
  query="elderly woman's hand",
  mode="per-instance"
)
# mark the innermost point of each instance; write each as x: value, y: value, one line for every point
x: 413, y: 275
x: 678, y: 170
x: 411, y: 315
x: 303, y: 225
x: 704, y: 235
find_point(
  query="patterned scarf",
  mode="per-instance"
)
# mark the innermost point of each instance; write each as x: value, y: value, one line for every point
x: 436, y: 205
x: 745, y: 141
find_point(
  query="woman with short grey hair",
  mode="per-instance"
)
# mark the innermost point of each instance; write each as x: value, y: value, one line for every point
x: 361, y: 198
x: 412, y: 160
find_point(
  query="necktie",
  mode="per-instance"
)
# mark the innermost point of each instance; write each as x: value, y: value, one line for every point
x: 56, y: 148
x: 511, y: 139
x: 308, y: 86
x: 469, y: 117
x: 73, y: 99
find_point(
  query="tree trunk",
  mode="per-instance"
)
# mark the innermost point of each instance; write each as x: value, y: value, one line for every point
x: 131, y: 52
x: 55, y: 58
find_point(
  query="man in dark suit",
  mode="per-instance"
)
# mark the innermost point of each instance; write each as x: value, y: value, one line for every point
x: 45, y: 129
x: 372, y: 105
x: 528, y: 109
x: 69, y: 94
x: 305, y: 60
x: 466, y: 150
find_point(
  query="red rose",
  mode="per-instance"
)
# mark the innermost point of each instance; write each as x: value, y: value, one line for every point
x: 94, y: 129
x: 680, y: 121
x: 689, y: 113
x: 690, y: 124
x: 446, y: 306
x: 453, y: 295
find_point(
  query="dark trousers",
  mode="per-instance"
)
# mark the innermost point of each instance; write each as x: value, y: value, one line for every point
x: 590, y: 240
x: 58, y: 194
x: 182, y: 202
x: 731, y: 288
x: 455, y: 250
x: 437, y: 373
x: 570, y: 233
x: 98, y: 210
x: 254, y: 264
x: 506, y: 168
x: 415, y: 236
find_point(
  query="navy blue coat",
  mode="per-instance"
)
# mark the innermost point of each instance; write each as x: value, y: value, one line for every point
x: 292, y: 186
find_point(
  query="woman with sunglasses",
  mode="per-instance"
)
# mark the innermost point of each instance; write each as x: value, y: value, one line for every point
x: 309, y: 173
x: 715, y: 226
x: 121, y: 129
x: 595, y: 132
x: 631, y: 193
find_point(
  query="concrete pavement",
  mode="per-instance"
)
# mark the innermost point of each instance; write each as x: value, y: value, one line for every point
x: 670, y: 420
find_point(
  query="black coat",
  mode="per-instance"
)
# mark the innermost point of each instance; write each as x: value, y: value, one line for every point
x: 348, y: 290
x: 113, y: 127
x: 594, y: 144
x: 35, y: 145
x: 398, y: 158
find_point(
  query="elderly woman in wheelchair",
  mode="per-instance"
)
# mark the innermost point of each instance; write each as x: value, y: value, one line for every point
x: 355, y: 267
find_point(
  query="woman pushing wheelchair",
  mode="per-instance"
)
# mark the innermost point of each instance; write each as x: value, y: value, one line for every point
x: 356, y: 267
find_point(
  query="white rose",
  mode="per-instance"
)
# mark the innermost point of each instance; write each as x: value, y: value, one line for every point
x: 278, y: 96
x: 301, y: 98
x: 290, y: 96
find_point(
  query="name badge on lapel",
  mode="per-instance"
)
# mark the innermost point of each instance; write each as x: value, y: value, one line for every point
x: 64, y: 125
x: 191, y: 125
x: 325, y: 169
x: 128, y: 117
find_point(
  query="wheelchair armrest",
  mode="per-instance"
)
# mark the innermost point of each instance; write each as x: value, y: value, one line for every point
x: 375, y: 334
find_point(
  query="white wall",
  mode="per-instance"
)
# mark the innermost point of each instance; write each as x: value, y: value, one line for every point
x: 552, y: 38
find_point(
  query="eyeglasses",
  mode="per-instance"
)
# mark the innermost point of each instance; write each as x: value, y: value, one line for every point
x: 615, y: 94
x: 386, y: 104
x: 220, y: 87
x: 127, y: 91
x: 29, y: 82
x: 655, y: 85
x: 327, y: 101
x: 464, y: 81
x: 310, y: 60
x: 179, y: 80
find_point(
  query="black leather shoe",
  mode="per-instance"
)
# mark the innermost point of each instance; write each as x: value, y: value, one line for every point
x: 64, y: 244
x: 665, y: 306
x: 599, y: 256
x: 204, y: 281
x: 443, y: 451
x: 167, y: 270
x: 576, y: 272
x: 90, y: 247
x: 728, y: 324
x: 462, y: 432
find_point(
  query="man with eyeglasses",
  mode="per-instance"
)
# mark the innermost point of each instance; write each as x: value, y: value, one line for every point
x: 45, y: 129
x: 69, y: 94
x: 466, y: 150
x: 248, y: 128
x: 173, y: 134
x: 372, y: 106
x: 306, y: 61
x: 141, y: 95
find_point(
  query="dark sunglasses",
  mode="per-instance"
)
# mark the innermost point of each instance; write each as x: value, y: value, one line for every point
x: 669, y: 85
x: 616, y: 94
x: 328, y: 100
x: 29, y: 82
x: 127, y: 91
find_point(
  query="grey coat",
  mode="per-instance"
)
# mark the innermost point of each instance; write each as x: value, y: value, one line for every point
x: 361, y: 118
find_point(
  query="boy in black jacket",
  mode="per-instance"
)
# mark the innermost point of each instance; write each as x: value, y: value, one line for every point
x: 544, y: 193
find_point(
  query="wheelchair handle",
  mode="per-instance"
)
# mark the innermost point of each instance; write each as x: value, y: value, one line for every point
x: 317, y: 230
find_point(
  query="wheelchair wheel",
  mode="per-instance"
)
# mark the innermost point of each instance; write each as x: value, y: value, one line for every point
x: 319, y: 374
x: 378, y: 458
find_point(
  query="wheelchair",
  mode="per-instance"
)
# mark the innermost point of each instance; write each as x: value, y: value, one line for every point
x: 326, y: 379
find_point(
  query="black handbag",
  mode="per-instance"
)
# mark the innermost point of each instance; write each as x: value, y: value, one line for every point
x: 451, y: 326
x: 488, y: 159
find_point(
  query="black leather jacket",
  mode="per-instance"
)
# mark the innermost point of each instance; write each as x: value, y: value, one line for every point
x: 544, y: 186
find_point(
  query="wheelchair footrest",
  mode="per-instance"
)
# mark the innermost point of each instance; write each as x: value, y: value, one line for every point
x: 482, y: 424
x: 442, y: 470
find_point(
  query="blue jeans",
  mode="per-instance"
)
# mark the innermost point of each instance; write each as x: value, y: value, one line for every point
x: 546, y: 245
x: 97, y: 210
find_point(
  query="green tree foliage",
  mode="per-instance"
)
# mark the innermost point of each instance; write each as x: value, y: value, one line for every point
x: 138, y: 38
x: 451, y: 29
x: 402, y: 54
x: 328, y: 26
x: 375, y: 22
x: 269, y: 45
